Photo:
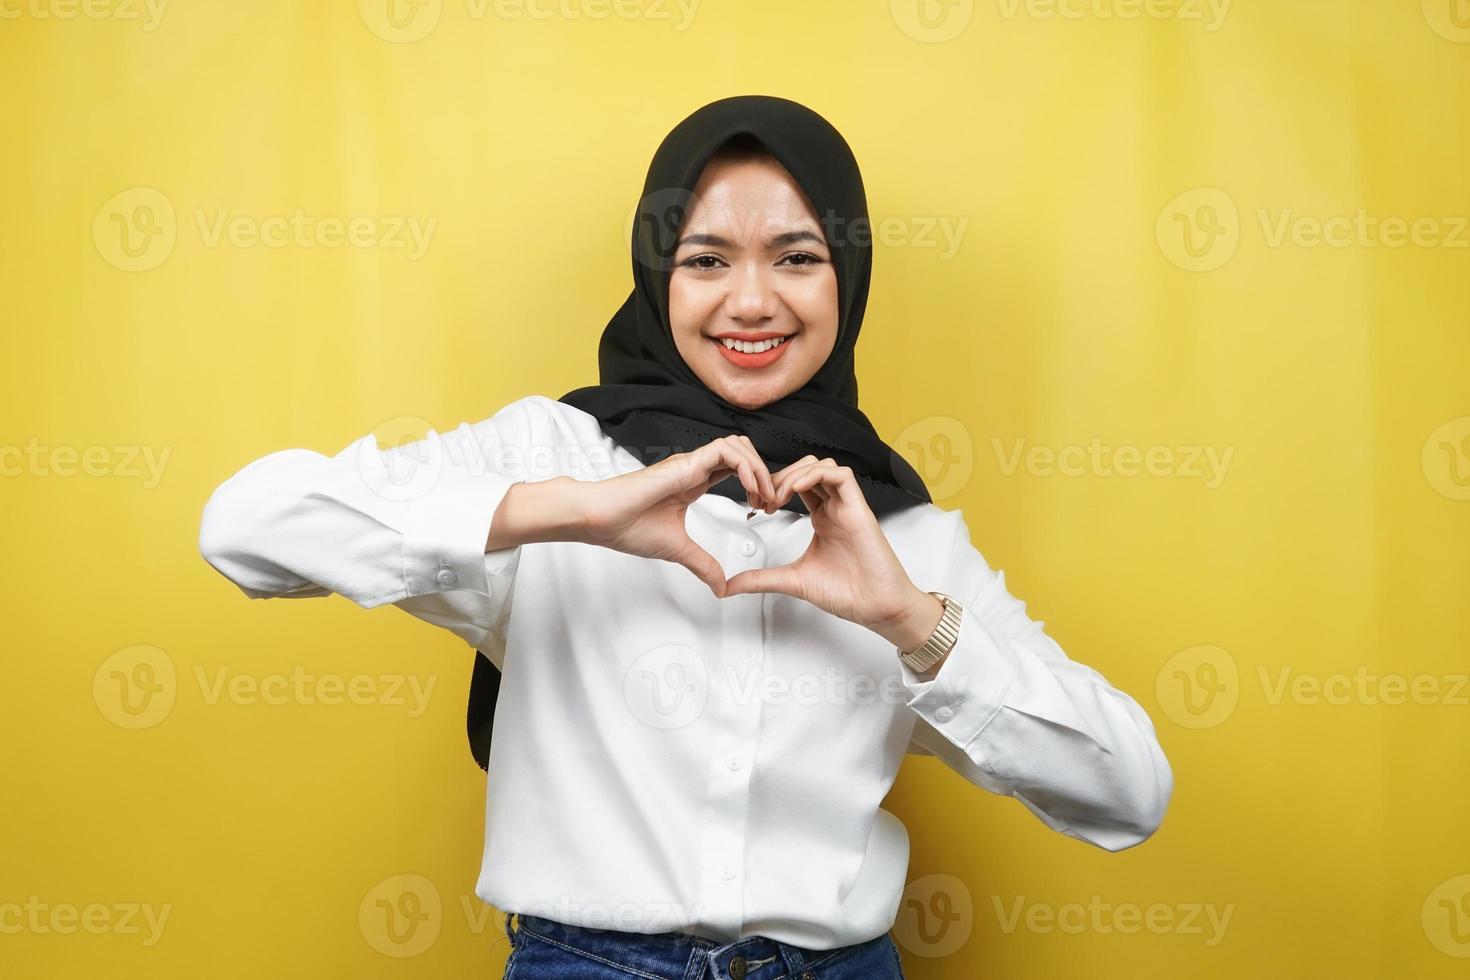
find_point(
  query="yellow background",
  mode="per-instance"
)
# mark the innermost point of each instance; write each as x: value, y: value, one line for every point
x: 1074, y: 145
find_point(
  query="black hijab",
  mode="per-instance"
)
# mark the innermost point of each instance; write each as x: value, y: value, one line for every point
x: 653, y: 404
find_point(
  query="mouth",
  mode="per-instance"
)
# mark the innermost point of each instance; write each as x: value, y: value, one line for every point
x: 753, y: 354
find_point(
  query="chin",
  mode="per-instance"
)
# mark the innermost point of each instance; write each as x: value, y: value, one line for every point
x: 751, y: 401
x: 749, y: 396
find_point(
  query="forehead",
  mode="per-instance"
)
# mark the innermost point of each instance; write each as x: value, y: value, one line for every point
x: 751, y: 193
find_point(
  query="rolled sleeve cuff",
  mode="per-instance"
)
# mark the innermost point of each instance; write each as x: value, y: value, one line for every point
x: 971, y: 685
x: 444, y: 544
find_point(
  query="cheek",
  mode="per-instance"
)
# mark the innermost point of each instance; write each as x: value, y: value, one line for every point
x: 814, y: 302
x: 687, y: 312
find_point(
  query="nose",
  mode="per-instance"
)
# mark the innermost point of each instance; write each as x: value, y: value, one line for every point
x: 752, y: 296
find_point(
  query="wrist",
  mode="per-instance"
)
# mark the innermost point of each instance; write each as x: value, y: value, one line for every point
x: 544, y: 510
x: 913, y: 623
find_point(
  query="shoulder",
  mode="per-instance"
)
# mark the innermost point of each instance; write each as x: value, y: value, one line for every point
x: 562, y: 438
x: 928, y: 535
x: 926, y: 526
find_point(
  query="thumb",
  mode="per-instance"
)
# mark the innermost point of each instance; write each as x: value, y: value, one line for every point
x: 784, y: 580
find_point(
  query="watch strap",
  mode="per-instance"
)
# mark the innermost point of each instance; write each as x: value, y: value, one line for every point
x: 939, y: 643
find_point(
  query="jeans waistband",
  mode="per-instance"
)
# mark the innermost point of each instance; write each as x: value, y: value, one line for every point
x: 668, y: 954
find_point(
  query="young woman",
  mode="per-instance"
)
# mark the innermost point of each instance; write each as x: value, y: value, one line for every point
x: 715, y: 609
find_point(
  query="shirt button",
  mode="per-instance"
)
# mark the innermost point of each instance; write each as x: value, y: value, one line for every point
x: 445, y: 577
x: 727, y: 872
x: 752, y: 655
x: 735, y: 762
x: 945, y: 713
x: 747, y: 548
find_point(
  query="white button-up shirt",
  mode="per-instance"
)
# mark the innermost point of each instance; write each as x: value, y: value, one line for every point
x: 665, y: 759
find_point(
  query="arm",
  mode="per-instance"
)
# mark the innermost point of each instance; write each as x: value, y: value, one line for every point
x: 1006, y: 708
x: 1012, y: 714
x: 434, y: 527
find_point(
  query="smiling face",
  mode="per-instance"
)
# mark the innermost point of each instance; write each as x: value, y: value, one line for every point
x: 752, y: 269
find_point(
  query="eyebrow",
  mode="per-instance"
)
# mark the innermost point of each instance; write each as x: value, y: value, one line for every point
x: 776, y: 241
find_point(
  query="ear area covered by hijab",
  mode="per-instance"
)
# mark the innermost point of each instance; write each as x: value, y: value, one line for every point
x: 648, y: 399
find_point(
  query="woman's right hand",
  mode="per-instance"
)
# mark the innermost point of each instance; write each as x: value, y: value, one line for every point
x: 642, y: 512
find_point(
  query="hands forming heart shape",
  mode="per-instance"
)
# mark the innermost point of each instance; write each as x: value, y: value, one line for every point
x: 849, y: 569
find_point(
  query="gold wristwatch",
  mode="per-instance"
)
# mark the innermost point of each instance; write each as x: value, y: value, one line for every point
x: 932, y: 650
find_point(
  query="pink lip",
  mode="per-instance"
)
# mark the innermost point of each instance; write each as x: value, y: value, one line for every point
x: 744, y: 360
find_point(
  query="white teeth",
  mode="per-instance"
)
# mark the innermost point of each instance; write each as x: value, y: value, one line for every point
x: 752, y: 346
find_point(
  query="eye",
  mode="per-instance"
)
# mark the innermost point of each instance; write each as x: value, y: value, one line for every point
x: 703, y: 262
x: 807, y: 259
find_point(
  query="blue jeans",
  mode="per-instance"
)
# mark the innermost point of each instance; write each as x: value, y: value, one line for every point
x: 544, y: 949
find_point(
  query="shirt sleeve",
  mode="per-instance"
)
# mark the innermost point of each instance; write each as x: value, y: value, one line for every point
x: 1014, y: 715
x: 405, y: 525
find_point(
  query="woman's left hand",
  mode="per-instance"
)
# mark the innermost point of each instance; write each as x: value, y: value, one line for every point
x: 849, y: 569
